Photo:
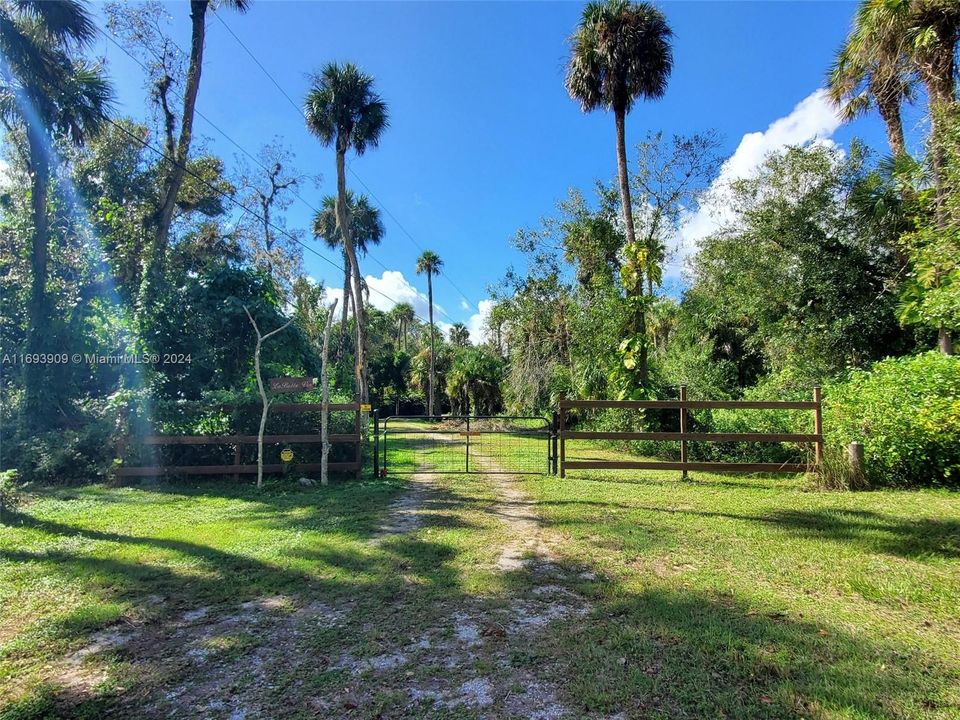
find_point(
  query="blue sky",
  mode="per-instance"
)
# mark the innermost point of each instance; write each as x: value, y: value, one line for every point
x: 483, y: 138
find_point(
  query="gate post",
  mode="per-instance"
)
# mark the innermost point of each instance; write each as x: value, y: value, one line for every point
x: 376, y: 443
x: 552, y: 447
x: 467, y: 459
x: 563, y: 440
x: 683, y: 431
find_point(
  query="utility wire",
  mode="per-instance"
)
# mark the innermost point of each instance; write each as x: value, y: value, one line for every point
x: 240, y: 205
x: 353, y: 172
x: 258, y: 162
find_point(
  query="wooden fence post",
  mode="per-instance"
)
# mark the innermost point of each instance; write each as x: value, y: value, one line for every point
x: 376, y: 443
x: 817, y: 428
x: 358, y: 456
x: 683, y: 431
x: 553, y: 443
x: 855, y: 458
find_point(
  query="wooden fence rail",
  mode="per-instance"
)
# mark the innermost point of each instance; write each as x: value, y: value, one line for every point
x: 236, y: 441
x: 685, y: 436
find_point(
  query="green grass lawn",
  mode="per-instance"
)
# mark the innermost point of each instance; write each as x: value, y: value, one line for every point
x: 722, y: 596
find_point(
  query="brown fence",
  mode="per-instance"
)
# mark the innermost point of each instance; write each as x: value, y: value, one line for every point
x: 236, y: 469
x: 685, y: 436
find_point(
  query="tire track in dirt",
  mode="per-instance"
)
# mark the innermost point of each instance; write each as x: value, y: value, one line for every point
x: 465, y: 655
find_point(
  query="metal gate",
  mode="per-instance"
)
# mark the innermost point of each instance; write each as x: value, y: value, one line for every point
x: 462, y: 444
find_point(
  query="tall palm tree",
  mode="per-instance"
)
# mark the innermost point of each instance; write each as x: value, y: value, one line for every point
x: 927, y: 32
x: 429, y: 264
x: 620, y: 53
x: 871, y: 69
x: 52, y: 93
x: 366, y: 229
x: 404, y: 315
x: 343, y: 110
x: 459, y: 335
x: 181, y: 150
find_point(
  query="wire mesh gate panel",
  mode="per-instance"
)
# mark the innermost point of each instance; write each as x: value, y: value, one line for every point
x: 461, y: 444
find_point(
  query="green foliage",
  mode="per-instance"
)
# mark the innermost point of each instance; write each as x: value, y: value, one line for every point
x: 10, y: 495
x: 931, y: 293
x: 800, y: 279
x: 474, y: 380
x: 906, y: 412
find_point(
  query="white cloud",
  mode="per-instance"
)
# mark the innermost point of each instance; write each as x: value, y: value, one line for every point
x: 392, y: 288
x: 477, y: 324
x: 813, y: 119
x: 464, y: 305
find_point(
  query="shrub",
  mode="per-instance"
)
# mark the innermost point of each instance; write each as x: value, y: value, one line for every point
x: 906, y: 412
x: 10, y: 497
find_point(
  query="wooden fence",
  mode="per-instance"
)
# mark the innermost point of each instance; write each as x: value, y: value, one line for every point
x: 236, y: 441
x: 685, y: 436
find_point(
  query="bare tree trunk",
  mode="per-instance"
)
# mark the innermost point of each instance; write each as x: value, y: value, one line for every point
x: 198, y: 12
x: 38, y: 310
x: 260, y: 388
x: 158, y: 251
x: 433, y: 368
x: 263, y: 416
x: 640, y: 319
x: 325, y: 400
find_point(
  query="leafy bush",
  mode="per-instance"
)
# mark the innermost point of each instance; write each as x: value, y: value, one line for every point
x: 10, y: 497
x: 906, y: 412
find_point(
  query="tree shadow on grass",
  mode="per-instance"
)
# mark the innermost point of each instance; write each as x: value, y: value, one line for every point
x: 870, y: 531
x: 676, y: 653
x: 912, y: 538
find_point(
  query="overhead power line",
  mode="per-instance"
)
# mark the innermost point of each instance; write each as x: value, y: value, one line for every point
x: 238, y: 203
x: 377, y: 200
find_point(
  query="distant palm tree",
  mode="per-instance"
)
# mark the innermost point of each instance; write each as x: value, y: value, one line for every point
x: 404, y: 315
x: 343, y: 110
x: 50, y: 92
x: 366, y: 229
x: 927, y: 33
x: 621, y: 52
x: 459, y: 335
x: 179, y: 153
x: 872, y: 70
x: 429, y: 264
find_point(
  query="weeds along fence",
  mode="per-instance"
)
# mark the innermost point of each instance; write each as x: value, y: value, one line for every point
x: 175, y: 454
x: 685, y: 436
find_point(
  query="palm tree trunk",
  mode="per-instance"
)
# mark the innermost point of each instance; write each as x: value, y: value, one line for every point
x: 346, y: 306
x: 433, y: 367
x: 325, y: 396
x: 38, y: 310
x: 942, y: 93
x: 892, y: 121
x: 344, y: 222
x: 157, y: 257
x: 639, y: 320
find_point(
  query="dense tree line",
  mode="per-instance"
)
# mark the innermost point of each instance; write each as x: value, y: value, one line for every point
x: 129, y: 236
x: 822, y: 262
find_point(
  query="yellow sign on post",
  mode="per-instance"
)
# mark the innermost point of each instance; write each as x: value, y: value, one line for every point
x: 286, y: 455
x: 364, y: 407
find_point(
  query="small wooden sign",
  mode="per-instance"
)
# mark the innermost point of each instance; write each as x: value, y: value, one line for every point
x: 292, y: 384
